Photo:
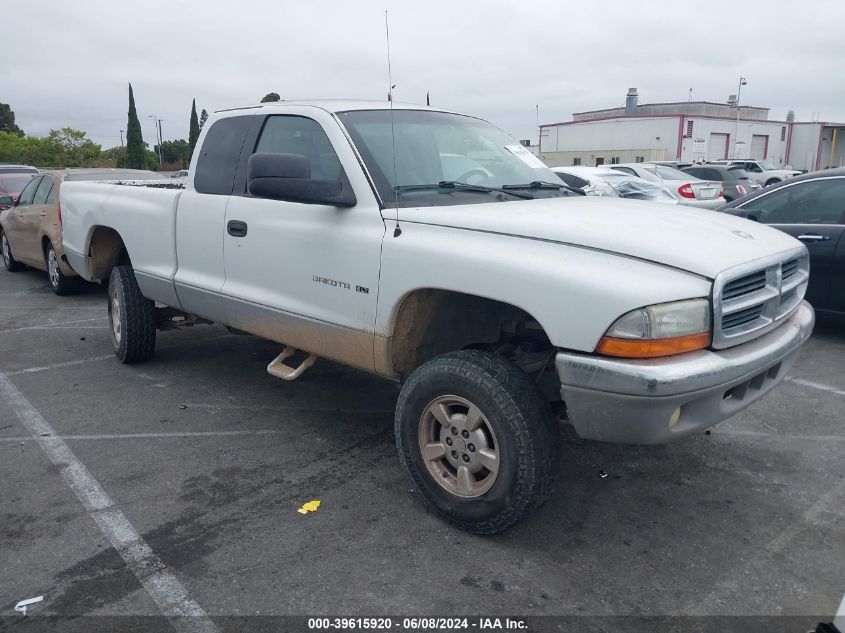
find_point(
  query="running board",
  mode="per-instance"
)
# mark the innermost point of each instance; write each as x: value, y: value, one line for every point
x: 279, y: 369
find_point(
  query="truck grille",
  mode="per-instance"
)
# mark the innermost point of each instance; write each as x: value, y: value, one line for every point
x: 754, y: 298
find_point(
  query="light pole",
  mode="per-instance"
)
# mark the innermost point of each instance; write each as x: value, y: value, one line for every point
x: 157, y: 130
x: 742, y: 82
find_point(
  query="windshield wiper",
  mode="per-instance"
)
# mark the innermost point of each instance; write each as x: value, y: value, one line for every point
x: 542, y: 184
x: 461, y: 186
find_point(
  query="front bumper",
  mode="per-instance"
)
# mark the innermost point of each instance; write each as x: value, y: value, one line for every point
x: 657, y: 400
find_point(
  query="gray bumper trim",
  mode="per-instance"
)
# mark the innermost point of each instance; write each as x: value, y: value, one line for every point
x: 631, y: 401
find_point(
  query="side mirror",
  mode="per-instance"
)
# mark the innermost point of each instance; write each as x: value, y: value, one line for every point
x: 287, y: 177
x: 6, y: 202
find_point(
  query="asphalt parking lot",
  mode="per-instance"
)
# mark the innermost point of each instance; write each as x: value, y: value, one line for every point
x: 208, y: 458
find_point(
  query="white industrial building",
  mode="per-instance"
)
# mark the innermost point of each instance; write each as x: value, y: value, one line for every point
x: 690, y: 131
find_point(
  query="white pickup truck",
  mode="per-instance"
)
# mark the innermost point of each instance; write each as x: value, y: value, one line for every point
x: 431, y: 249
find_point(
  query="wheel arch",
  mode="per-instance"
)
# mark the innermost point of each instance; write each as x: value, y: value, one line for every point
x: 106, y: 249
x: 428, y: 322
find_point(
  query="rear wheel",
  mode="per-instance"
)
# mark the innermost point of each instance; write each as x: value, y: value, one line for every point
x: 61, y: 284
x: 477, y: 439
x: 11, y: 264
x: 131, y: 316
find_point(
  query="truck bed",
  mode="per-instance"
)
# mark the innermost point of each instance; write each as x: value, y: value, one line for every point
x: 135, y: 209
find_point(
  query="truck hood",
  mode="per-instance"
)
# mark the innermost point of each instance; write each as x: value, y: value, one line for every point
x: 701, y: 242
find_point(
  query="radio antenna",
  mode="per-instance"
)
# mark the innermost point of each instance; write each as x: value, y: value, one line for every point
x: 390, y: 86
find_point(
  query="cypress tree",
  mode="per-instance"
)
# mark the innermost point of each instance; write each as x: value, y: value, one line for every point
x: 194, y: 129
x: 135, y: 155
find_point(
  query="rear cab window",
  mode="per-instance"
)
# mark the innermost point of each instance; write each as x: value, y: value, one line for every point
x: 221, y: 150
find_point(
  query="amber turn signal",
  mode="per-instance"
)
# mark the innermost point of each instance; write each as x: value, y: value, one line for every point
x: 639, y: 348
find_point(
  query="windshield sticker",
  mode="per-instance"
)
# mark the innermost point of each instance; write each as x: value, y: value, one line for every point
x: 525, y: 156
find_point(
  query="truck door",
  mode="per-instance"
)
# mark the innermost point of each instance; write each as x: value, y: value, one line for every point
x: 306, y: 274
x: 201, y: 213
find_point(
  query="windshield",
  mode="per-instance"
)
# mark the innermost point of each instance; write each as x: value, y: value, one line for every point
x: 14, y: 183
x: 433, y: 147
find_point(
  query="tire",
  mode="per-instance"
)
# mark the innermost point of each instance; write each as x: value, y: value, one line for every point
x: 515, y: 425
x: 60, y: 284
x: 132, y: 317
x: 11, y: 264
x: 771, y: 182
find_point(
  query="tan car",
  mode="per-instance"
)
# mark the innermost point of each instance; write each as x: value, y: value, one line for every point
x: 31, y: 229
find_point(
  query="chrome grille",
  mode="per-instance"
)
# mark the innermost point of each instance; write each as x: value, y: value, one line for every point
x: 754, y: 298
x: 745, y: 285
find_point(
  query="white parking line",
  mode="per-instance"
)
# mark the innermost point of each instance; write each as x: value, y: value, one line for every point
x: 52, y: 325
x: 162, y: 586
x: 779, y: 436
x: 69, y: 363
x: 142, y: 436
x: 816, y: 385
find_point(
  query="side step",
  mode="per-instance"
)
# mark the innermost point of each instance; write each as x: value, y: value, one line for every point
x: 279, y: 369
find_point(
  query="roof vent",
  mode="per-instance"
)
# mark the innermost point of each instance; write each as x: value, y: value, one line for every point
x: 732, y: 100
x: 790, y: 116
x: 631, y: 101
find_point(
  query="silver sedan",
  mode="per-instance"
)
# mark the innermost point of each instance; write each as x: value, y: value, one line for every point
x: 687, y: 189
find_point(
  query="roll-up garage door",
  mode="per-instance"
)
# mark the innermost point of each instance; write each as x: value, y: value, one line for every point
x: 717, y: 149
x: 759, y: 146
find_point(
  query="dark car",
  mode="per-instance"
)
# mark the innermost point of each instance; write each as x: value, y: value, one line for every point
x: 811, y: 208
x: 13, y: 178
x: 735, y: 180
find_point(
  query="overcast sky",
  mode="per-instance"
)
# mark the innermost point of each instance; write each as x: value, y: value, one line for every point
x: 68, y: 63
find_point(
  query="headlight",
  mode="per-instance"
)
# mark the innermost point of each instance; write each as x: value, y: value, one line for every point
x: 659, y: 330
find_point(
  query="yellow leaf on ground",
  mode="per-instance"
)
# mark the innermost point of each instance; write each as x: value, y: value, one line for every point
x: 311, y: 506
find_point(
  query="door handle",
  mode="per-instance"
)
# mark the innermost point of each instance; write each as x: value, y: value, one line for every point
x: 236, y: 228
x: 813, y: 238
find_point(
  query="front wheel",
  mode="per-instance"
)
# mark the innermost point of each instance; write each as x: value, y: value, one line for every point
x: 131, y: 317
x: 773, y: 181
x: 61, y: 284
x: 477, y: 439
x: 11, y: 264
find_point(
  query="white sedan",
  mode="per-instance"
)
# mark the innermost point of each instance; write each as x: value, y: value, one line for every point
x: 688, y: 190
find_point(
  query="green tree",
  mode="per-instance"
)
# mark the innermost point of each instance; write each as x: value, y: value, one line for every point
x: 135, y: 158
x: 60, y: 148
x: 72, y: 149
x: 7, y: 120
x: 194, y: 129
x: 270, y: 97
x: 174, y: 151
x: 203, y: 117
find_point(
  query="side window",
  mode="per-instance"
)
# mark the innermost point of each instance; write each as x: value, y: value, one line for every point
x: 221, y: 150
x: 28, y: 192
x: 285, y: 134
x: 43, y: 190
x: 814, y: 202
